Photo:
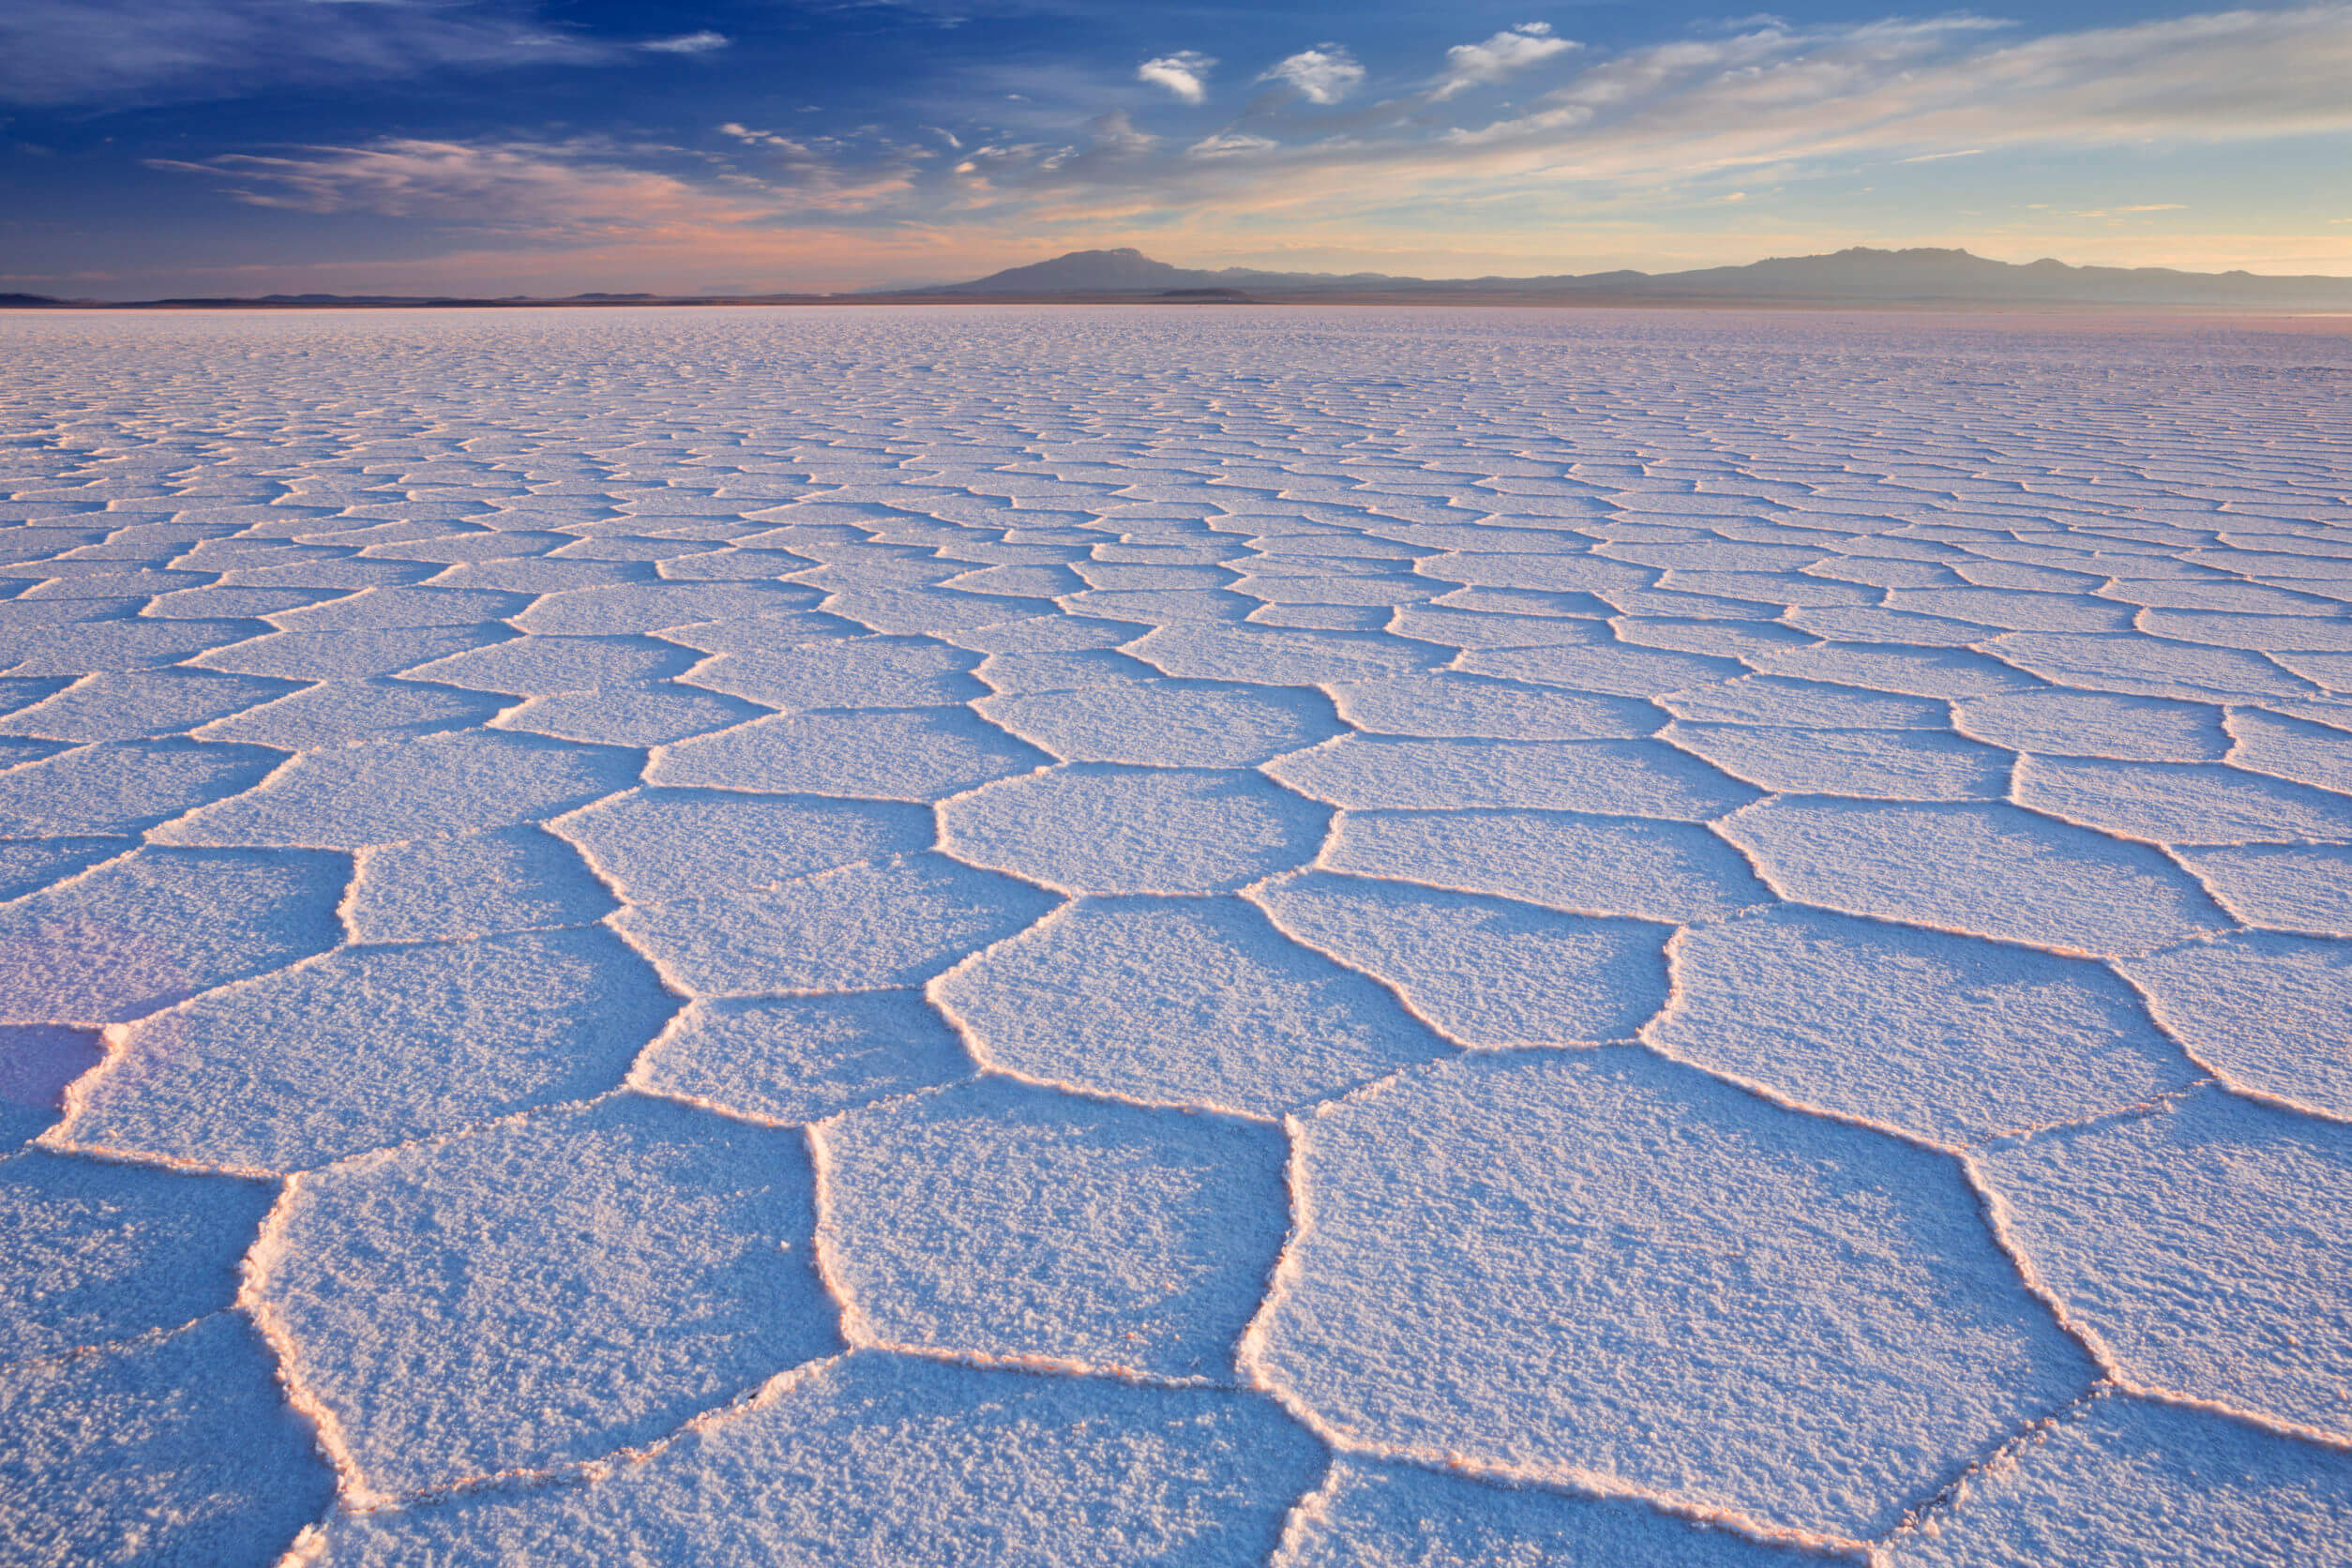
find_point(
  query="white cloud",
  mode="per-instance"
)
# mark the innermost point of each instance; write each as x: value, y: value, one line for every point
x: 1324, y: 74
x: 1229, y: 143
x: 1514, y: 48
x: 1184, y: 73
x: 702, y: 42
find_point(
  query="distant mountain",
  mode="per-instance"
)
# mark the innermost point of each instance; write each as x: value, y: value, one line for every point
x: 1084, y: 272
x: 1132, y: 272
x: 1858, y: 276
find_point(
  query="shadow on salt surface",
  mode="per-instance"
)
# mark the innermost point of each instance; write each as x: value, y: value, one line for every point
x: 1163, y: 723
x: 1947, y: 1038
x: 549, y: 1288
x: 2121, y: 1482
x: 1603, y: 1266
x: 887, y: 923
x: 2007, y: 609
x: 1062, y: 671
x: 922, y: 754
x: 852, y: 672
x: 123, y: 786
x: 1612, y: 668
x: 436, y: 889
x: 1782, y: 702
x: 1469, y: 627
x: 72, y: 647
x: 1984, y: 870
x: 1102, y: 828
x: 92, y: 1252
x: 173, y: 1450
x: 2268, y: 1013
x: 2181, y: 803
x: 658, y: 714
x: 384, y: 609
x: 655, y: 845
x: 29, y: 864
x: 1950, y: 674
x: 1487, y: 972
x: 2134, y: 665
x: 2206, y: 1246
x: 1672, y: 872
x: 624, y: 608
x: 37, y: 1062
x: 368, y: 1046
x: 140, y: 705
x: 1181, y: 1003
x: 800, y: 1059
x: 1446, y: 704
x: 345, y: 655
x: 1277, y: 657
x: 1886, y: 764
x: 158, y: 925
x: 436, y: 786
x: 893, y: 1461
x: 2064, y: 723
x: 939, y: 611
x: 999, y: 1220
x: 2312, y: 754
x: 1403, y: 1517
x: 552, y: 666
x: 2307, y: 889
x: 340, y: 713
x: 1626, y: 777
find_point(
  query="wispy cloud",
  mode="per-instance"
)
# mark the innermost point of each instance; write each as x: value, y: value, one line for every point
x: 1513, y: 50
x: 1322, y: 75
x: 551, y: 191
x: 1229, y: 143
x: 703, y: 42
x: 113, y: 53
x: 1937, y: 88
x: 556, y: 193
x: 1184, y: 73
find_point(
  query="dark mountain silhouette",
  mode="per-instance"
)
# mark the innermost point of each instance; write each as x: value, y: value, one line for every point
x: 1858, y: 275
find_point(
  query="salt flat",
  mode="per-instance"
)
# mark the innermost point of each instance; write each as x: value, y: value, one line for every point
x: 1197, y: 937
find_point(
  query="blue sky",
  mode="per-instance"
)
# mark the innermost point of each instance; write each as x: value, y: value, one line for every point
x: 248, y: 146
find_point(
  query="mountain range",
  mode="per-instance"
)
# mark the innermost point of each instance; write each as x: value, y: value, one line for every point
x: 1857, y: 276
x: 1853, y: 277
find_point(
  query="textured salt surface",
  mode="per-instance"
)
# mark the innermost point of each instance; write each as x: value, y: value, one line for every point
x: 1299, y: 938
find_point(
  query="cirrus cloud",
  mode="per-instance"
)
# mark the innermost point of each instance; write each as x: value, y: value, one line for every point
x: 120, y: 52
